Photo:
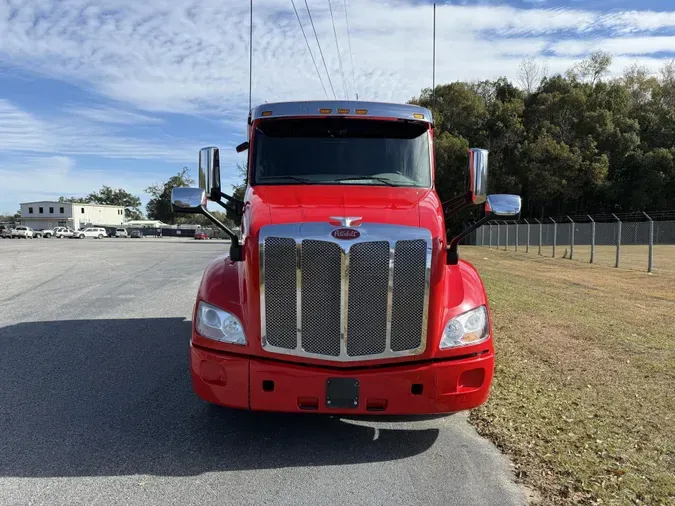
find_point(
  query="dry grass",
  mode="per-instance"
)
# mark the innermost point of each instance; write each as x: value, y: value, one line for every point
x: 584, y: 391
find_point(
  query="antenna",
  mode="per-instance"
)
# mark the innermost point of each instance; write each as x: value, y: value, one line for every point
x: 433, y: 79
x: 250, y: 59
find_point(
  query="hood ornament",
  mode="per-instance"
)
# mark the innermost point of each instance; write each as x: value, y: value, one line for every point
x: 347, y: 221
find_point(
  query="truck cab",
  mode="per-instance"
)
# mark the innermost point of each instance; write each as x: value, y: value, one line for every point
x: 344, y: 294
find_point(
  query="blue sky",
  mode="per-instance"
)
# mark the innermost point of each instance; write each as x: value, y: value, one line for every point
x: 124, y: 93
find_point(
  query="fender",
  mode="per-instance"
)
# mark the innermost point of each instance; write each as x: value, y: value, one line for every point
x: 222, y: 286
x: 463, y: 291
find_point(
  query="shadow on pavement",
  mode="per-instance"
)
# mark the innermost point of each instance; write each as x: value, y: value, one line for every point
x: 113, y: 397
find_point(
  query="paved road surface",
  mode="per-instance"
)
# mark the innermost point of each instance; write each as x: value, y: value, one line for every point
x: 96, y: 405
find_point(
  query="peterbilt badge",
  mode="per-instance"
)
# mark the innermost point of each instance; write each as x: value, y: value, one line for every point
x: 345, y: 233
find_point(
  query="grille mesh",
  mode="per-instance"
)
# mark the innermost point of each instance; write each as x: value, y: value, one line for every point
x: 367, y: 305
x: 321, y: 272
x: 407, y: 315
x: 280, y: 292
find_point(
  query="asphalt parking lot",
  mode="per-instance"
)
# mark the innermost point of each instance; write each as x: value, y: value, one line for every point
x: 96, y: 405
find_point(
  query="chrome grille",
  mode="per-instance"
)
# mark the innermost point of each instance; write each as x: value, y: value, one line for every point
x: 367, y: 310
x: 407, y: 313
x: 321, y: 278
x: 351, y: 299
x: 280, y: 296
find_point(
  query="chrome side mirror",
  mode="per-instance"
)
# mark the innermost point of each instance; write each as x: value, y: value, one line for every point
x: 209, y: 172
x: 188, y: 200
x: 505, y: 207
x: 478, y: 175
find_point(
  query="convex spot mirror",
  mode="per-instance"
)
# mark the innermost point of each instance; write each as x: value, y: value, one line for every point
x: 503, y: 207
x: 188, y: 200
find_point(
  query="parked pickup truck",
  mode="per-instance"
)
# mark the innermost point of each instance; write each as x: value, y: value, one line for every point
x: 23, y: 233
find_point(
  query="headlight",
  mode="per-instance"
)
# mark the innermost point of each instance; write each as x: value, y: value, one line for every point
x: 219, y: 325
x: 468, y: 328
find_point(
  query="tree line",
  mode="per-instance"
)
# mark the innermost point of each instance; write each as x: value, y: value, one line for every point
x: 568, y: 144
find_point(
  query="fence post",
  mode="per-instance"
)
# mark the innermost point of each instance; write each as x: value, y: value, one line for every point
x: 506, y: 242
x: 571, y: 237
x: 517, y: 228
x: 482, y: 235
x: 540, y: 235
x: 650, y: 262
x: 555, y: 235
x: 618, y: 240
x: 490, y: 246
x: 527, y: 244
x: 592, y: 238
x: 498, y: 236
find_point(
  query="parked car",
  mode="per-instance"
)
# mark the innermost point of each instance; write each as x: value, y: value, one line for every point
x: 5, y: 232
x: 136, y: 234
x: 22, y: 232
x: 96, y: 232
x: 201, y: 235
x: 121, y: 232
x: 61, y: 232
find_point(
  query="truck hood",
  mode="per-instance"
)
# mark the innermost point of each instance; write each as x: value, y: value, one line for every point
x: 294, y: 203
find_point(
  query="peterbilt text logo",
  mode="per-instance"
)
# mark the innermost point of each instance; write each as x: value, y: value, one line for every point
x: 345, y: 233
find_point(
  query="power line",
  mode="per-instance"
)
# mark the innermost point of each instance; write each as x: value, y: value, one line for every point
x: 337, y: 45
x: 309, y: 49
x: 320, y: 52
x: 351, y: 56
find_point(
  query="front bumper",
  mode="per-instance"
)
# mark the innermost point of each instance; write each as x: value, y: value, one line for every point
x: 264, y: 385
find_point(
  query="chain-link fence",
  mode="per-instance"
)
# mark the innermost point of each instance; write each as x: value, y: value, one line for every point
x: 638, y: 241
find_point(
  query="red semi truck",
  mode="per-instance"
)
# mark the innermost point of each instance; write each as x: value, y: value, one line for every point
x: 343, y: 294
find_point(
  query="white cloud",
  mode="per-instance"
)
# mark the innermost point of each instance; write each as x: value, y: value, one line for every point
x: 49, y: 177
x: 114, y: 115
x: 21, y: 131
x: 192, y: 57
x: 617, y: 46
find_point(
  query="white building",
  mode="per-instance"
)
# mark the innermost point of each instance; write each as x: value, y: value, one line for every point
x: 76, y: 215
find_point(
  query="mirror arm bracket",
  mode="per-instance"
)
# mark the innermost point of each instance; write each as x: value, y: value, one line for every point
x: 235, y: 205
x: 457, y: 203
x: 236, y: 251
x: 452, y: 256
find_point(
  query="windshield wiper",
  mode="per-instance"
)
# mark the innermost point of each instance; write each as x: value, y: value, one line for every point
x: 294, y: 178
x: 384, y: 180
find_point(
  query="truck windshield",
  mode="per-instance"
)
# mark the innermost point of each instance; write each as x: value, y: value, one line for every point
x: 342, y: 151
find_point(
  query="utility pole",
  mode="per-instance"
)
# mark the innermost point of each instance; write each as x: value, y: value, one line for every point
x: 433, y: 78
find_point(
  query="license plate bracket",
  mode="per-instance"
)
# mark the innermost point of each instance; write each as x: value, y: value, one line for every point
x: 342, y: 393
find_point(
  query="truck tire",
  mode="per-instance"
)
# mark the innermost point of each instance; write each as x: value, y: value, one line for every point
x: 47, y: 236
x: 100, y: 236
x: 81, y: 236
